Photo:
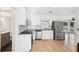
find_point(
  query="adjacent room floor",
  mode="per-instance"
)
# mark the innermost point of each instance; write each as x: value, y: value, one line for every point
x: 49, y: 46
x: 7, y: 48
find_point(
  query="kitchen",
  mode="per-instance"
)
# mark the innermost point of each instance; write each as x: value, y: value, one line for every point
x: 43, y: 23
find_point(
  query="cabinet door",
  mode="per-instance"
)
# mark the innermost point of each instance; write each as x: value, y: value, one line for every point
x: 24, y: 42
x: 66, y: 39
x: 72, y: 39
x: 47, y: 34
x: 43, y: 35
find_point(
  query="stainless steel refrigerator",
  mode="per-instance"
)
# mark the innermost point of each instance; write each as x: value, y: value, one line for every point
x: 57, y: 26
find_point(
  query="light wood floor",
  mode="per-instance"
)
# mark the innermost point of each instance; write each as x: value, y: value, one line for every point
x: 49, y: 46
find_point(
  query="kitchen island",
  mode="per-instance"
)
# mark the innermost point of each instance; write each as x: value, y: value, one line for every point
x: 24, y: 41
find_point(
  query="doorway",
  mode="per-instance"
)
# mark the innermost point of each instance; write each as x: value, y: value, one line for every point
x: 6, y: 17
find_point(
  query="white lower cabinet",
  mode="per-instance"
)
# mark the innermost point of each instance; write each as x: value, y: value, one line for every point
x: 43, y: 34
x: 70, y: 40
x: 47, y: 34
x: 66, y: 38
x: 23, y: 43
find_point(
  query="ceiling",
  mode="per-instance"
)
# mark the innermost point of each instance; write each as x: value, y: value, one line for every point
x: 52, y: 10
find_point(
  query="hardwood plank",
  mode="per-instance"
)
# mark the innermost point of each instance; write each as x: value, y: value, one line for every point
x: 49, y: 46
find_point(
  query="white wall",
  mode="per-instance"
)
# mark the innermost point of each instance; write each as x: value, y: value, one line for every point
x: 19, y: 19
x: 36, y: 19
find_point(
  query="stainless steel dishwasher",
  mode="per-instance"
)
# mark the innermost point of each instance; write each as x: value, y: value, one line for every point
x: 38, y: 35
